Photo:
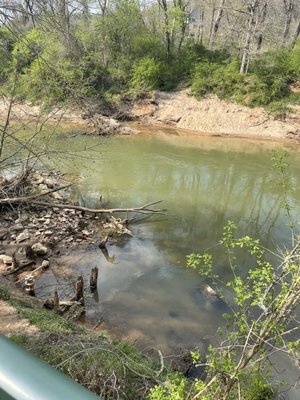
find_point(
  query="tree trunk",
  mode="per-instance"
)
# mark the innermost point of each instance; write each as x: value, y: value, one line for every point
x: 200, y: 30
x: 296, y: 36
x: 28, y: 5
x: 261, y: 24
x: 164, y: 6
x: 252, y: 22
x: 216, y: 24
x: 288, y: 8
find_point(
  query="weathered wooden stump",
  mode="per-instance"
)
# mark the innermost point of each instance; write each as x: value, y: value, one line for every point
x: 56, y: 302
x: 103, y: 242
x: 94, y: 279
x: 79, y: 289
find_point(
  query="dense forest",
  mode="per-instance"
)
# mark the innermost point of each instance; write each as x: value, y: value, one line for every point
x: 243, y: 50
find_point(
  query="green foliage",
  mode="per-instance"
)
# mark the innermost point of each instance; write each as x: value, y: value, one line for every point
x: 258, y: 388
x: 117, y: 53
x: 267, y: 81
x: 19, y: 339
x: 4, y: 294
x: 145, y: 75
x: 27, y: 49
x: 294, y: 62
x: 174, y: 389
x: 222, y: 80
x: 6, y: 45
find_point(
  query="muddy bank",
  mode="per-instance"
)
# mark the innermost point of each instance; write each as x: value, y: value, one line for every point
x: 97, y: 118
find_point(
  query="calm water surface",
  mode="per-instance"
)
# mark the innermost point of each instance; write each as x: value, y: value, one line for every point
x: 145, y: 291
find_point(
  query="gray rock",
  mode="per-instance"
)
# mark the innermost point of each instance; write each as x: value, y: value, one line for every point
x: 39, y: 249
x: 48, y: 233
x: 45, y: 264
x: 6, y: 263
x: 17, y: 227
x: 50, y: 182
x: 23, y: 236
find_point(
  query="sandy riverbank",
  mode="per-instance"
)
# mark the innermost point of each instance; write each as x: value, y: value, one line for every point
x: 216, y: 117
x: 179, y: 110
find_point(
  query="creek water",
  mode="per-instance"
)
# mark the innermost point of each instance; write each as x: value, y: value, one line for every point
x: 145, y: 291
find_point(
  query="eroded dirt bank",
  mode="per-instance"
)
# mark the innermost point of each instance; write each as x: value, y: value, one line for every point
x: 214, y: 116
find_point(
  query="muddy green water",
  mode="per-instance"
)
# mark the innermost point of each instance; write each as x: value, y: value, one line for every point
x: 144, y: 291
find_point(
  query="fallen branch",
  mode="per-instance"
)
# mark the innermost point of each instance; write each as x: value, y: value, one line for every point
x: 31, y: 199
x: 28, y: 199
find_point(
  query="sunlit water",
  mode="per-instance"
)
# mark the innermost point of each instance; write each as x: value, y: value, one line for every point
x: 145, y: 292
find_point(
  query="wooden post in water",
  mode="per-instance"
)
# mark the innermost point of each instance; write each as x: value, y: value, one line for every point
x: 56, y: 302
x: 79, y: 289
x: 94, y: 279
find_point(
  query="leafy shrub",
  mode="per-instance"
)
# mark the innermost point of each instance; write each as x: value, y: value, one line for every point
x: 27, y: 49
x: 6, y: 45
x: 294, y: 62
x: 223, y: 80
x: 266, y: 83
x: 145, y: 75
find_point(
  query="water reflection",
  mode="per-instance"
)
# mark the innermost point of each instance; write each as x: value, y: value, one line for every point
x: 148, y: 293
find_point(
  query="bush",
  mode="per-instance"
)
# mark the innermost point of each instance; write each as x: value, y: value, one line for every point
x: 223, y: 80
x: 294, y: 62
x: 145, y: 75
x: 267, y: 82
x: 6, y: 45
x: 27, y: 49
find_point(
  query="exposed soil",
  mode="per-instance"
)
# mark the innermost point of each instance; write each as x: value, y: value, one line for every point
x: 12, y: 324
x: 213, y: 116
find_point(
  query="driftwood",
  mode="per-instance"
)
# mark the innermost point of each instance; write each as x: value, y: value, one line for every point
x: 30, y: 199
x: 33, y: 273
x: 20, y: 267
x: 61, y: 306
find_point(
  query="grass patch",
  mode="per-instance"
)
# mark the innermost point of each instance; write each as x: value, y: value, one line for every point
x: 46, y: 321
x: 110, y: 369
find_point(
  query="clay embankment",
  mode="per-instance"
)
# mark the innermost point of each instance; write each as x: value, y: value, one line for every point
x: 180, y: 110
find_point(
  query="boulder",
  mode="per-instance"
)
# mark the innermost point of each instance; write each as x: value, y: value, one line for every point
x: 7, y: 263
x: 39, y: 249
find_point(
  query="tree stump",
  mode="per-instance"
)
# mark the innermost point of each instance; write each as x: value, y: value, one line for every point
x: 94, y: 279
x: 56, y: 302
x: 79, y: 289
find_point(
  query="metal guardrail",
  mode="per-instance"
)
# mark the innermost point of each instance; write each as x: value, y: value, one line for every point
x: 25, y: 377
